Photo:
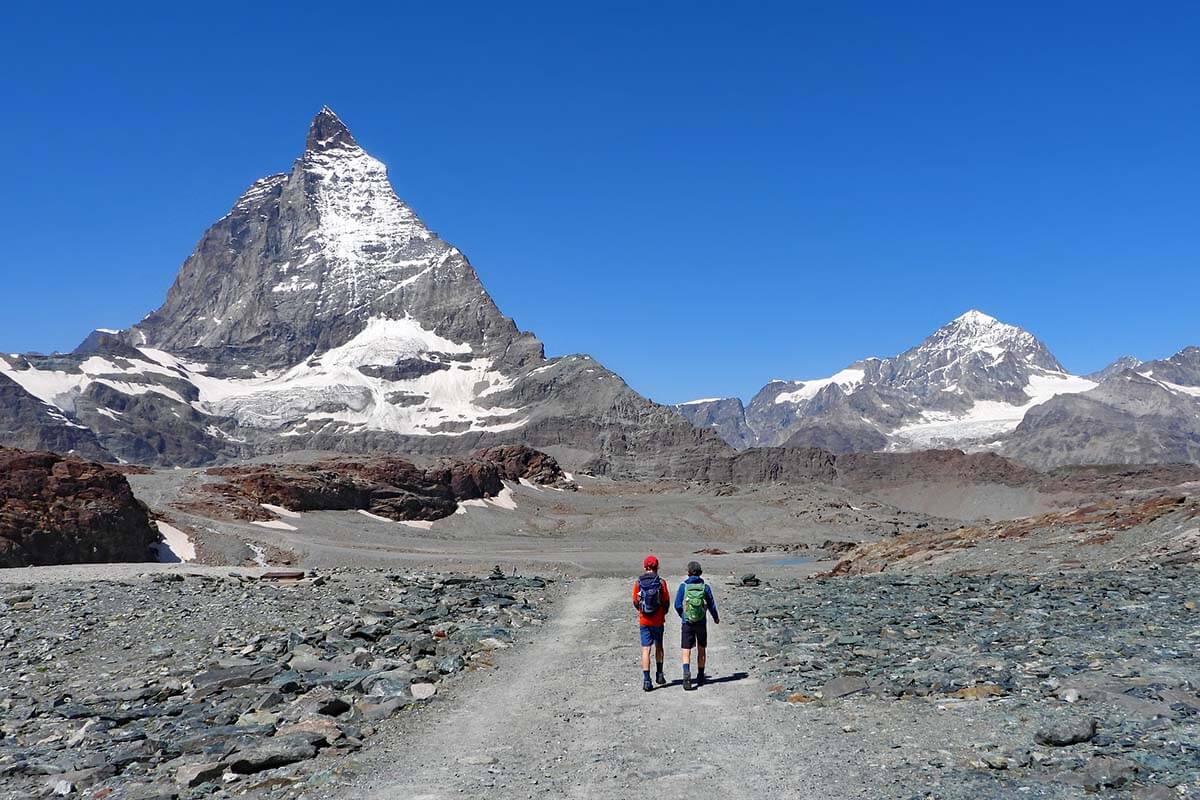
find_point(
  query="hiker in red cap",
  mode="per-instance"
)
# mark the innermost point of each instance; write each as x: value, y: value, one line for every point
x: 650, y: 598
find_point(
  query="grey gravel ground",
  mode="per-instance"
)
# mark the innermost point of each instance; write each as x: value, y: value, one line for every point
x: 199, y: 685
x: 928, y: 686
x: 565, y: 716
x: 1109, y: 657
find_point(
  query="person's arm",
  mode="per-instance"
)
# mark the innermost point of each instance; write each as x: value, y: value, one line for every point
x: 712, y: 603
x: 679, y: 601
x: 635, y: 596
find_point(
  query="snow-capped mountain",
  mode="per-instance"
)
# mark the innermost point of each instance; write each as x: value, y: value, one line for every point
x: 966, y: 385
x: 322, y: 313
x: 1146, y: 414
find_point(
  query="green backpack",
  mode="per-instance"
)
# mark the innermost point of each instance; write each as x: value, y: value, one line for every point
x: 694, y: 602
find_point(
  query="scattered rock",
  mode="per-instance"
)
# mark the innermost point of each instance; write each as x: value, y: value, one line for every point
x: 162, y: 688
x: 978, y: 692
x: 843, y: 686
x: 192, y: 775
x: 423, y: 691
x: 1066, y: 732
x: 1116, y: 644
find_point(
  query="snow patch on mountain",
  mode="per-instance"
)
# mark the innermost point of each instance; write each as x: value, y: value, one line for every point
x: 847, y: 380
x: 332, y: 387
x: 363, y: 228
x: 335, y: 387
x: 966, y: 384
x: 986, y: 420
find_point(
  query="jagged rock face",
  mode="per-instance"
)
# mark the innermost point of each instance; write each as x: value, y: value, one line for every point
x: 726, y: 416
x: 306, y: 258
x: 320, y: 312
x: 1181, y: 369
x: 968, y: 383
x: 1115, y: 368
x: 1130, y: 418
x: 973, y: 358
x: 56, y: 510
x: 517, y: 463
x: 30, y: 424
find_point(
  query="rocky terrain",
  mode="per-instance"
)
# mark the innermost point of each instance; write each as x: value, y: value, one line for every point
x: 220, y: 685
x: 393, y: 488
x: 1151, y: 414
x: 1130, y: 531
x: 1084, y: 682
x: 973, y: 667
x: 62, y: 510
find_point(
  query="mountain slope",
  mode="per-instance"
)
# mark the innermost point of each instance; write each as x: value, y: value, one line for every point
x: 979, y: 384
x: 967, y: 384
x: 1147, y: 415
x: 320, y: 312
x: 725, y: 416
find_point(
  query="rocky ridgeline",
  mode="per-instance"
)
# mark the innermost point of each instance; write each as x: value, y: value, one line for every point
x: 1097, y: 673
x: 389, y: 487
x: 211, y: 685
x: 1131, y: 530
x: 63, y: 510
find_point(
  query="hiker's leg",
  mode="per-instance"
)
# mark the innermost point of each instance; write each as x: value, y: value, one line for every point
x: 685, y: 657
x: 646, y: 658
x: 659, y: 655
x: 700, y: 653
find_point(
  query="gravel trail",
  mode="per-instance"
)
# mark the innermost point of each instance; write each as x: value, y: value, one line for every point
x: 565, y: 716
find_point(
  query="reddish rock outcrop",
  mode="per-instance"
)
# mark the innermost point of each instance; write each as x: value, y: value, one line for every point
x: 63, y: 510
x: 390, y: 487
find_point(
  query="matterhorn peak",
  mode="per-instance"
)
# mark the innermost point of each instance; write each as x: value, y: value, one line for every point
x: 328, y: 132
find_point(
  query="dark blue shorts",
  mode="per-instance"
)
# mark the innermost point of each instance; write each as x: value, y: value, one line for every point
x: 651, y: 634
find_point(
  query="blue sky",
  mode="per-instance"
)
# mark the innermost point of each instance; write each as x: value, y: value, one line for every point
x: 702, y: 196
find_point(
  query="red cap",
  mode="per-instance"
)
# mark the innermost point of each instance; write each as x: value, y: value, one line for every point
x: 650, y: 563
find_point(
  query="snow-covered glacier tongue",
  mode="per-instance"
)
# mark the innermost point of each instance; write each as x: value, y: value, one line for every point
x: 321, y: 312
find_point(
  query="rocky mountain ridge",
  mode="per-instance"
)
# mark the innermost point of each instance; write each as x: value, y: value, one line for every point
x: 321, y: 313
x: 980, y: 384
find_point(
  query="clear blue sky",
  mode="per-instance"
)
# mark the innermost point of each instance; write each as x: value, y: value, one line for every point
x: 702, y: 196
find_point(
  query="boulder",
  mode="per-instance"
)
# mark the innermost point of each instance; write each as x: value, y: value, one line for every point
x: 1067, y: 732
x: 64, y: 510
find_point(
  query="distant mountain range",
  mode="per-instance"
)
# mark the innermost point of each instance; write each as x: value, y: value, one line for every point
x: 978, y: 384
x: 321, y: 313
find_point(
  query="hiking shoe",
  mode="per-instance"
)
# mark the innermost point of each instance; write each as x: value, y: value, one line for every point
x: 660, y: 679
x: 647, y: 686
x: 687, y: 683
